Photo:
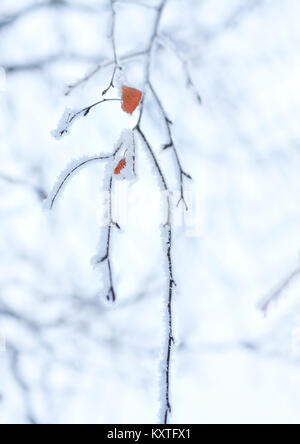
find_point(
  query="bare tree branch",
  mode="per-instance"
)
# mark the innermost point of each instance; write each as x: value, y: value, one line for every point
x: 62, y: 182
x: 168, y: 225
x: 39, y: 64
x: 265, y: 303
x: 124, y: 59
x: 70, y: 173
x: 170, y: 340
x: 111, y: 295
x: 170, y: 144
x: 170, y: 45
x: 111, y: 290
x: 113, y: 40
x: 159, y: 13
x: 129, y: 57
x: 40, y: 192
x: 70, y: 116
x: 20, y: 381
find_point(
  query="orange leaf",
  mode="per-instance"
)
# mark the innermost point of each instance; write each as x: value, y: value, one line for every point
x: 121, y: 165
x: 131, y: 99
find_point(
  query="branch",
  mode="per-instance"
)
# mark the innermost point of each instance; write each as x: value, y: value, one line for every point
x: 14, y: 356
x: 235, y: 18
x: 171, y: 341
x: 68, y: 174
x: 159, y: 170
x: 170, y: 144
x: 160, y: 10
x: 170, y: 45
x: 41, y: 193
x: 71, y: 170
x: 166, y: 407
x: 125, y: 59
x: 85, y: 111
x: 166, y: 403
x: 148, y: 54
x: 265, y: 303
x: 113, y: 40
x: 131, y: 56
x: 69, y: 117
x: 39, y: 64
x: 111, y: 295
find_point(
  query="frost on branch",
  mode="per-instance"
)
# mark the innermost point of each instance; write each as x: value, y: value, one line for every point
x: 74, y: 167
x: 168, y: 336
x: 67, y: 120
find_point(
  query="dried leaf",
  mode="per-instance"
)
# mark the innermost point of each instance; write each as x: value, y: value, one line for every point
x: 131, y: 99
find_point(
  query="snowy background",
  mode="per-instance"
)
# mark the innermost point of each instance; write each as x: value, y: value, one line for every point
x: 66, y: 355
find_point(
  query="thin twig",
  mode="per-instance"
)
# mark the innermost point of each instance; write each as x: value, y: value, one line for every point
x: 71, y: 116
x: 160, y: 10
x: 113, y: 40
x: 124, y: 59
x: 170, y: 45
x: 85, y: 111
x: 41, y: 193
x: 159, y: 170
x: 39, y: 64
x: 71, y: 173
x: 111, y: 294
x: 106, y: 257
x: 133, y: 154
x: 171, y: 144
x: 168, y: 226
x: 265, y: 303
x: 148, y: 54
x: 170, y: 341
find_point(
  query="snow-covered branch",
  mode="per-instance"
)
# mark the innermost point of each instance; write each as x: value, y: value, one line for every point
x: 73, y: 168
x: 70, y: 116
x: 131, y: 98
x: 171, y: 144
x: 166, y: 408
